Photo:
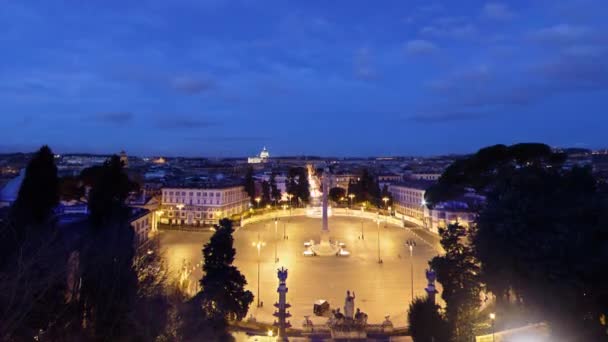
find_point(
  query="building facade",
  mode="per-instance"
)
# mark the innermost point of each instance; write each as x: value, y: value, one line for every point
x: 141, y: 222
x: 201, y: 205
x: 408, y: 197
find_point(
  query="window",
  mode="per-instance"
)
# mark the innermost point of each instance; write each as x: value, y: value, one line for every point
x: 198, y: 194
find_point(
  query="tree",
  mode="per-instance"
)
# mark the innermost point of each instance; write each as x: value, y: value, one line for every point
x: 303, y: 188
x: 426, y: 324
x: 458, y: 272
x: 549, y: 220
x: 223, y: 295
x: 153, y: 305
x: 265, y: 193
x: 107, y: 197
x: 337, y: 194
x: 366, y: 189
x: 274, y: 189
x: 249, y: 183
x: 33, y: 257
x: 109, y: 281
x: 39, y: 192
x: 480, y: 170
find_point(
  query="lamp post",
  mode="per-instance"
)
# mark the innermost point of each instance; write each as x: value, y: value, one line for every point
x: 362, y: 236
x: 378, y: 224
x: 411, y: 244
x: 276, y: 223
x: 258, y: 244
x: 258, y: 199
x: 290, y: 196
x: 159, y: 214
x: 385, y: 200
x: 493, y: 319
x: 284, y: 230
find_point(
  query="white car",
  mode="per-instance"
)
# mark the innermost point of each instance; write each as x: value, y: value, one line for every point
x: 343, y: 252
x: 309, y: 252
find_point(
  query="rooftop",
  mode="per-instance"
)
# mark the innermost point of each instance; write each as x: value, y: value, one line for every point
x: 420, y: 184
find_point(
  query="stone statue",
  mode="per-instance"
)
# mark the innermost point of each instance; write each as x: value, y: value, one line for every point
x: 349, y: 305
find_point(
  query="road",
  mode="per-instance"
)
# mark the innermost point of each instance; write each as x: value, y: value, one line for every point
x: 381, y: 289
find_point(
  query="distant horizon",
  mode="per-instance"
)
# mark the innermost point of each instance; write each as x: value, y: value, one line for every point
x: 298, y: 155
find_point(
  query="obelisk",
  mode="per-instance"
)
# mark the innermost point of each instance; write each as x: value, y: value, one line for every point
x: 325, y: 189
x: 324, y: 247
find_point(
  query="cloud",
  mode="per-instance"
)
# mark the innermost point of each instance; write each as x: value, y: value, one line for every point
x: 363, y: 68
x: 227, y: 138
x: 190, y: 85
x: 430, y: 8
x: 420, y: 47
x: 183, y: 122
x: 497, y: 11
x: 562, y: 33
x: 445, y: 116
x: 450, y: 30
x: 576, y: 73
x: 116, y: 118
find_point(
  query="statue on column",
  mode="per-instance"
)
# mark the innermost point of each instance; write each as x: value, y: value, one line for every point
x: 430, y: 289
x: 349, y: 305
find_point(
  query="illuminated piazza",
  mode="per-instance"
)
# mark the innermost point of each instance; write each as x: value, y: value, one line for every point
x: 382, y: 289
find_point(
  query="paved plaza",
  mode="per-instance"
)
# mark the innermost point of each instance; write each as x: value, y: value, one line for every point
x: 381, y: 289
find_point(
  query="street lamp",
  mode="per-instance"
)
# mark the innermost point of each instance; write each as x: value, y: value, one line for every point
x: 493, y: 319
x: 411, y: 244
x: 159, y: 214
x: 290, y: 196
x: 258, y: 199
x: 276, y: 223
x: 284, y: 230
x: 258, y: 244
x: 350, y: 197
x: 378, y: 224
x: 385, y: 200
x: 362, y: 236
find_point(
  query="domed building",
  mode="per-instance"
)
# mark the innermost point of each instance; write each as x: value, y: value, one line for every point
x: 263, y: 157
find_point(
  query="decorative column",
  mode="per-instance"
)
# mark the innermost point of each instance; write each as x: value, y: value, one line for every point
x: 281, y: 313
x: 430, y: 289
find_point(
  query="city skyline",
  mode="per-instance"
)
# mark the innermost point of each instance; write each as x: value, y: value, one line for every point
x: 212, y: 78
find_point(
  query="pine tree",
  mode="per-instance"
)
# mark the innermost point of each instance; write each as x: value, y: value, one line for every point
x: 426, y: 324
x: 458, y: 272
x: 265, y: 193
x: 109, y: 281
x: 39, y: 192
x: 274, y: 189
x: 223, y: 295
x: 303, y: 186
x: 249, y: 183
x: 33, y: 257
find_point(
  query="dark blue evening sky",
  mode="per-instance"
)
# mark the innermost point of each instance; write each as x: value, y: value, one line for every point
x: 340, y: 77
